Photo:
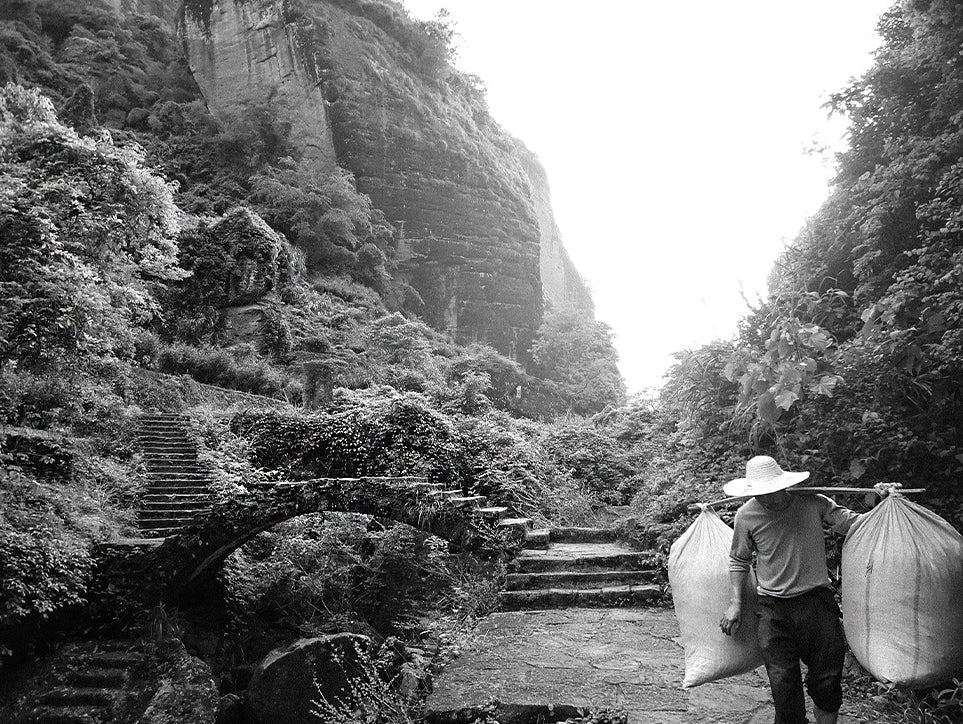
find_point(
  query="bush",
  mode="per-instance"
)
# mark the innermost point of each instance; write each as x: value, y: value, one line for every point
x: 217, y: 366
x: 317, y: 569
x: 370, y: 432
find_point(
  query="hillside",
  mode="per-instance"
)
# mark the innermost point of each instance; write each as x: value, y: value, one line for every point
x: 186, y: 286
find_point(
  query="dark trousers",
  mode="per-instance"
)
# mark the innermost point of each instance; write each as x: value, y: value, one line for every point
x: 807, y: 628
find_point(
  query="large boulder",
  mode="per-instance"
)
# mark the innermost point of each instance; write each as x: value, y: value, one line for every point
x: 186, y: 694
x: 287, y: 681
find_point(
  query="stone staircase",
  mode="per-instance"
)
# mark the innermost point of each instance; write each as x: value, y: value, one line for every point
x: 496, y: 515
x: 579, y: 567
x: 178, y: 488
x: 91, y: 684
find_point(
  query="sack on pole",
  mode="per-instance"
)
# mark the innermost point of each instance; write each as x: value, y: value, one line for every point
x: 902, y: 594
x: 699, y: 576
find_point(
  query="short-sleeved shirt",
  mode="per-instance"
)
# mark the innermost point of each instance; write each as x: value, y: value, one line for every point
x: 789, y: 546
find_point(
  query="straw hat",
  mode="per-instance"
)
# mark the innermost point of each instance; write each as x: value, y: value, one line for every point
x: 763, y: 475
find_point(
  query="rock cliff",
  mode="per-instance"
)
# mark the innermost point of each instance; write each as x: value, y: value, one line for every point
x: 562, y: 285
x: 475, y: 235
x: 255, y: 52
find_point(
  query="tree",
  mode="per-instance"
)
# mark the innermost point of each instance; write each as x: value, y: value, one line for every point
x: 88, y: 238
x: 574, y: 353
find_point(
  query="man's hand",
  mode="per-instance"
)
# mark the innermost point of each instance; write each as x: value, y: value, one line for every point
x: 731, y: 619
x: 884, y: 489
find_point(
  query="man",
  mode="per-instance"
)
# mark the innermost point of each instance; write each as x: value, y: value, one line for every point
x: 798, y: 616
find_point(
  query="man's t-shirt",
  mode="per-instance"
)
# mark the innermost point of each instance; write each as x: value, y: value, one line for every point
x: 789, y: 545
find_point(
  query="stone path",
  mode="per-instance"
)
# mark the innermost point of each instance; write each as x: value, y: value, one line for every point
x: 550, y: 648
x: 92, y: 681
x: 578, y: 567
x: 177, y: 490
x: 626, y: 658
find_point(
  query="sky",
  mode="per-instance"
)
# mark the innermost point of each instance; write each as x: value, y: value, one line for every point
x: 678, y: 139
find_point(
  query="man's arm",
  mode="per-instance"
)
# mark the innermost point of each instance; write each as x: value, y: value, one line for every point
x: 834, y: 515
x: 740, y: 560
x: 732, y: 618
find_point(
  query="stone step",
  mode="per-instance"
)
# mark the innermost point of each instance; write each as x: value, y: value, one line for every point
x: 161, y: 533
x: 522, y: 524
x: 582, y: 597
x: 447, y: 494
x: 195, y: 498
x: 171, y: 458
x: 80, y: 696
x: 166, y: 437
x: 531, y: 562
x: 159, y: 517
x: 104, y: 678
x: 178, y: 448
x: 426, y: 486
x: 63, y: 715
x: 173, y: 469
x: 492, y: 513
x: 537, y: 538
x: 190, y: 507
x: 474, y: 501
x: 191, y: 466
x: 168, y: 489
x: 584, y: 535
x: 577, y: 579
x: 138, y: 542
x: 181, y: 479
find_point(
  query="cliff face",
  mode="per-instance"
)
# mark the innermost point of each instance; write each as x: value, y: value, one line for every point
x: 474, y: 231
x: 423, y: 147
x: 253, y: 52
x: 562, y: 285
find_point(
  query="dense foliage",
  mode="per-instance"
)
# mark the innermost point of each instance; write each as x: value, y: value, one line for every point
x: 852, y: 367
x: 575, y: 356
x: 88, y: 234
x: 141, y: 232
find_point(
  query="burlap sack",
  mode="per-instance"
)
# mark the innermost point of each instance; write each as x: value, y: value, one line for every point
x: 699, y: 575
x: 903, y: 594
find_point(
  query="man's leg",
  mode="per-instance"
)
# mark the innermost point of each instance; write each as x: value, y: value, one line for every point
x: 781, y: 656
x: 825, y: 717
x: 824, y: 651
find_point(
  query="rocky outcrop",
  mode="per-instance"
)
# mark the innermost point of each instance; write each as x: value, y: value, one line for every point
x: 359, y: 90
x: 294, y: 684
x: 244, y: 52
x: 422, y: 145
x: 362, y: 86
x: 186, y: 693
x: 562, y: 285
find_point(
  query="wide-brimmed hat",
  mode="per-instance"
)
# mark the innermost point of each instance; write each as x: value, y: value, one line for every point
x: 763, y: 475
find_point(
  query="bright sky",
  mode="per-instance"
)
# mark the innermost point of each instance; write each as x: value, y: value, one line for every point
x: 673, y: 134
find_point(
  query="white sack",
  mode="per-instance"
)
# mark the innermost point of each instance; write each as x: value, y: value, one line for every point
x: 701, y: 592
x: 903, y: 594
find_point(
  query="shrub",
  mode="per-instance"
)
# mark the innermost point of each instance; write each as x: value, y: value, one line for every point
x: 217, y: 366
x: 369, y: 432
x: 147, y: 348
x: 88, y: 236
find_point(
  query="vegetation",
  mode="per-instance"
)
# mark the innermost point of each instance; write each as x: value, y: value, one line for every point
x: 146, y: 242
x: 850, y: 368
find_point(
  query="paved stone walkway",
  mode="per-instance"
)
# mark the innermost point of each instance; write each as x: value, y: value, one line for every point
x: 628, y: 658
x: 600, y: 658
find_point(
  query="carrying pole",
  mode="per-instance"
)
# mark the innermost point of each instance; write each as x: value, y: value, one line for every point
x: 802, y: 491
